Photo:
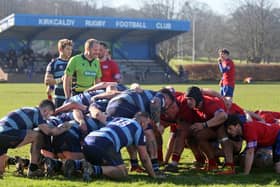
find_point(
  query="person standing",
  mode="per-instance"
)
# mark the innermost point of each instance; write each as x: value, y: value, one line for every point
x: 55, y: 71
x: 85, y: 66
x: 227, y: 68
x: 110, y: 69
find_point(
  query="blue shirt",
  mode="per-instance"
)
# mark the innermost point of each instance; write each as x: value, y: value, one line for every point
x: 22, y: 119
x: 92, y: 124
x: 57, y: 68
x: 122, y: 132
x: 139, y: 100
x: 85, y: 97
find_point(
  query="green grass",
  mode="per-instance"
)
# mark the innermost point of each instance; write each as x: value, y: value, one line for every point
x: 253, y: 97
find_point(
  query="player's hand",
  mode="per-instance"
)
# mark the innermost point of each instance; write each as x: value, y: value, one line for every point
x: 197, y: 127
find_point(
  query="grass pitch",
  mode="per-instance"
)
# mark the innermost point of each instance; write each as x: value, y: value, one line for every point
x: 252, y: 97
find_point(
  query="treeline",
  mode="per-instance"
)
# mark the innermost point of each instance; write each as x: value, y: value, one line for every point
x: 250, y: 30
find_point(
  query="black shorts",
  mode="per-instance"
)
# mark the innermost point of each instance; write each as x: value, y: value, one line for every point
x: 66, y: 142
x: 102, y: 152
x: 11, y: 139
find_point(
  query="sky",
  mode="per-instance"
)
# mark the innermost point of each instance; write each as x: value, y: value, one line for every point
x: 218, y: 6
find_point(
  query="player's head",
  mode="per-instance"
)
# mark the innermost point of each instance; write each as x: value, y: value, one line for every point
x: 168, y: 98
x: 171, y: 89
x: 47, y: 108
x: 65, y: 47
x: 194, y: 97
x: 233, y: 125
x: 143, y: 118
x: 223, y: 53
x: 92, y: 48
x: 103, y: 50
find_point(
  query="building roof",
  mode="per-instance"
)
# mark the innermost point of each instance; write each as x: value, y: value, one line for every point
x: 47, y: 27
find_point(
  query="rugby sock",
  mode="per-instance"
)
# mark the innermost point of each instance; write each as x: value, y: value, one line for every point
x: 78, y: 164
x: 134, y: 162
x: 97, y: 170
x: 33, y: 167
x: 155, y: 164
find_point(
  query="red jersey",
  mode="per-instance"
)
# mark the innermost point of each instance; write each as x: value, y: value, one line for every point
x: 210, y: 106
x: 258, y: 134
x: 184, y: 113
x: 235, y: 109
x: 110, y: 71
x: 269, y: 116
x: 228, y: 70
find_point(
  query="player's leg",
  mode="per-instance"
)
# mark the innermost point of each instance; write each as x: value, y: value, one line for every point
x: 228, y: 149
x: 37, y: 140
x: 203, y: 138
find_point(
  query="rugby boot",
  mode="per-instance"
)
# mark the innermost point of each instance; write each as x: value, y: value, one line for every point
x: 87, y: 171
x: 69, y: 168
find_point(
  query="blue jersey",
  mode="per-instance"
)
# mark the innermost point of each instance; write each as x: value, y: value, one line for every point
x: 85, y: 97
x: 57, y: 68
x: 139, y: 101
x: 92, y: 124
x: 122, y: 132
x: 22, y: 119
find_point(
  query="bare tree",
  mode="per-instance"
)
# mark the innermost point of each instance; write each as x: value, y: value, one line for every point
x: 254, y: 24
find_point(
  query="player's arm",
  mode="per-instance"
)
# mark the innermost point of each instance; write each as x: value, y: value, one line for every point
x: 70, y: 106
x: 105, y: 95
x: 97, y: 114
x: 67, y: 82
x: 222, y: 68
x: 102, y: 85
x: 80, y: 118
x: 249, y: 158
x: 219, y: 118
x: 145, y: 159
x: 54, y: 131
x: 252, y: 115
x: 49, y: 78
x: 210, y: 92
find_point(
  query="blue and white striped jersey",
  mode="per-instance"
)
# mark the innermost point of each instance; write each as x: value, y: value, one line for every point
x: 122, y: 132
x: 21, y: 119
x: 57, y: 67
